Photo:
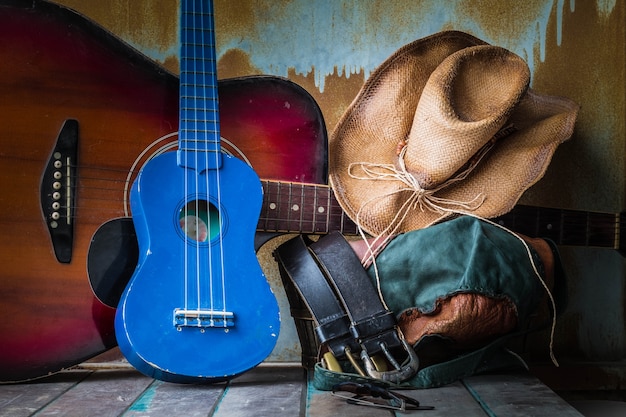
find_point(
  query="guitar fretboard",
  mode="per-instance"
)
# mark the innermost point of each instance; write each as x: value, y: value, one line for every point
x: 302, y: 208
x: 566, y: 227
x: 312, y: 209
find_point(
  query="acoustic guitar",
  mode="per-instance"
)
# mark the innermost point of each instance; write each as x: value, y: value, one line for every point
x: 80, y: 113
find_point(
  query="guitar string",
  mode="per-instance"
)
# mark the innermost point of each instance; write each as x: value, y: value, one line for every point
x: 266, y: 216
x: 596, y: 228
x: 151, y: 151
x: 604, y: 224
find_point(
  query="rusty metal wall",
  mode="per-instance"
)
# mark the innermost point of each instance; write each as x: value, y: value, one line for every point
x: 575, y: 48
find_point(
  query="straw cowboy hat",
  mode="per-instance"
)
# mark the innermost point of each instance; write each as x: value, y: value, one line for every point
x: 446, y: 125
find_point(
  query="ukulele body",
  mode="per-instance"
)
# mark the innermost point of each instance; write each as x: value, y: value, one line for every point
x: 196, y: 311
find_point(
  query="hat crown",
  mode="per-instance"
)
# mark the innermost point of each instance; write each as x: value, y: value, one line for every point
x: 466, y: 101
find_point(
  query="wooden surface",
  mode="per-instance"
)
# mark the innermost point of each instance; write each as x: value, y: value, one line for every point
x: 264, y: 391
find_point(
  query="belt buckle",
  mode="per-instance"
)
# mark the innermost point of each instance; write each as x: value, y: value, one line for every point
x: 400, y: 373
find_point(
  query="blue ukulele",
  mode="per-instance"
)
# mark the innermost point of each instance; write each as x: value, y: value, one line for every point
x: 198, y: 307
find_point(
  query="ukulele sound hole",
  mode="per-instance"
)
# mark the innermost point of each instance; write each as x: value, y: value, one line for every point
x: 200, y: 220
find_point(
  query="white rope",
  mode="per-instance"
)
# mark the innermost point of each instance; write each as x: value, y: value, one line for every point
x: 420, y: 197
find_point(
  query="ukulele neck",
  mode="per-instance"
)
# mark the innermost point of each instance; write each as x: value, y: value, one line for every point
x: 199, y: 131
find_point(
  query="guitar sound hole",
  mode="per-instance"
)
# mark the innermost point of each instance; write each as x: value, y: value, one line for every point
x: 200, y: 220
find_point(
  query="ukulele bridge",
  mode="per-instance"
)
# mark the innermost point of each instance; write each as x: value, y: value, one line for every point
x: 203, y: 318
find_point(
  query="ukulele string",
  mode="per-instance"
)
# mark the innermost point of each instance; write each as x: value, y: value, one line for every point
x: 184, y: 137
x: 210, y: 67
x: 201, y: 76
x: 197, y: 97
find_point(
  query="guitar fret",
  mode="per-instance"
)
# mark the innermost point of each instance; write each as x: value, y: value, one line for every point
x: 565, y: 227
x: 268, y: 206
x: 575, y: 228
x: 549, y: 224
x: 294, y: 207
x: 328, y: 225
x: 307, y: 215
x: 329, y: 212
x: 279, y: 209
x: 283, y: 210
x: 517, y: 219
x: 347, y: 225
x: 302, y: 209
x: 298, y: 209
x: 289, y: 205
x: 321, y: 210
x: 286, y: 219
x: 315, y: 210
x: 601, y: 229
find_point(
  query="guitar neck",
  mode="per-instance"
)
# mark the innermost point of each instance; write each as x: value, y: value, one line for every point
x: 566, y: 227
x: 312, y: 209
x: 302, y: 208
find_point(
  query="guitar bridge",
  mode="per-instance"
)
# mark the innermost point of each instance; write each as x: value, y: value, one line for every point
x: 203, y: 318
x: 58, y: 186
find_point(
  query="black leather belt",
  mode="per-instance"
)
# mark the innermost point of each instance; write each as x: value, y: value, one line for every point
x: 333, y: 324
x: 346, y: 306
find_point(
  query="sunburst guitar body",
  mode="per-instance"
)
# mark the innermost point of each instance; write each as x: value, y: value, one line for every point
x: 81, y: 113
